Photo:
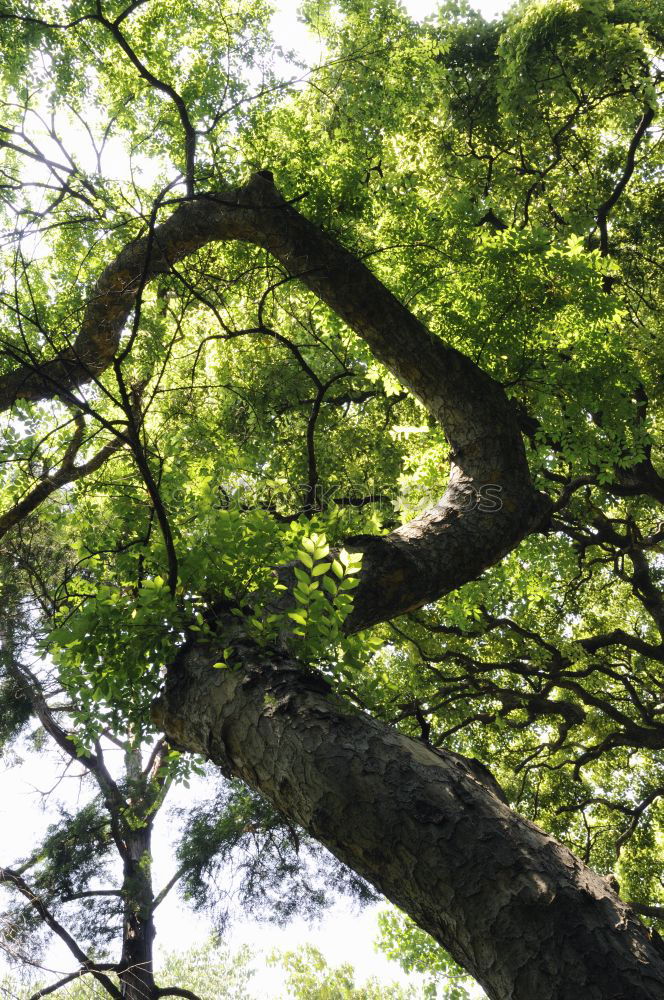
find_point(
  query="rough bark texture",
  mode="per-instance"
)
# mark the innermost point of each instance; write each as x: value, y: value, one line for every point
x: 511, y: 904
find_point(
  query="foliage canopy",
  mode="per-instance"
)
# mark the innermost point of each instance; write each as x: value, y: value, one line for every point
x: 503, y: 179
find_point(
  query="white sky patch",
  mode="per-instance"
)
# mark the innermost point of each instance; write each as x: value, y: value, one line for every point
x: 291, y: 32
x: 489, y: 9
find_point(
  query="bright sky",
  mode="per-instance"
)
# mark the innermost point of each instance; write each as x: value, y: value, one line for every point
x: 342, y: 935
x: 293, y: 34
x: 422, y: 8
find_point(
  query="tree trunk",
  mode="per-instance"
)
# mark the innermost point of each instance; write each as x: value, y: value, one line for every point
x: 513, y: 906
x: 137, y: 978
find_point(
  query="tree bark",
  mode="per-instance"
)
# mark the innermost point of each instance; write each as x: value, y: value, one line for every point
x: 138, y: 932
x: 512, y: 905
x: 137, y: 973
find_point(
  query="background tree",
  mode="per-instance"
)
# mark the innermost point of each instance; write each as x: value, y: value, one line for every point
x: 215, y: 973
x: 89, y: 882
x: 231, y: 351
x: 209, y: 972
x: 310, y: 977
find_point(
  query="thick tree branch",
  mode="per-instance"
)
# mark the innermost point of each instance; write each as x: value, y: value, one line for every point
x: 422, y: 826
x: 648, y: 911
x: 177, y: 991
x: 47, y: 990
x: 620, y: 638
x: 59, y: 983
x: 447, y: 545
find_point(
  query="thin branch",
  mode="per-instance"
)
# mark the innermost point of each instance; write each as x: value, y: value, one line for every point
x: 165, y: 88
x: 638, y: 812
x: 46, y: 990
x: 312, y: 464
x: 163, y: 893
x: 10, y: 877
x: 129, y: 10
x: 630, y: 163
x: 90, y: 893
x: 94, y: 763
x: 66, y: 474
x: 149, y: 479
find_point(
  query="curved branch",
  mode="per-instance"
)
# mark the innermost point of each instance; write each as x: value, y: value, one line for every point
x: 67, y: 473
x: 446, y: 546
x: 621, y: 638
x: 630, y: 163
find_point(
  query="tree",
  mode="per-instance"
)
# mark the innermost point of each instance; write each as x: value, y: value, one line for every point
x: 214, y: 973
x: 503, y: 182
x: 310, y: 977
x: 65, y: 879
x: 89, y: 881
